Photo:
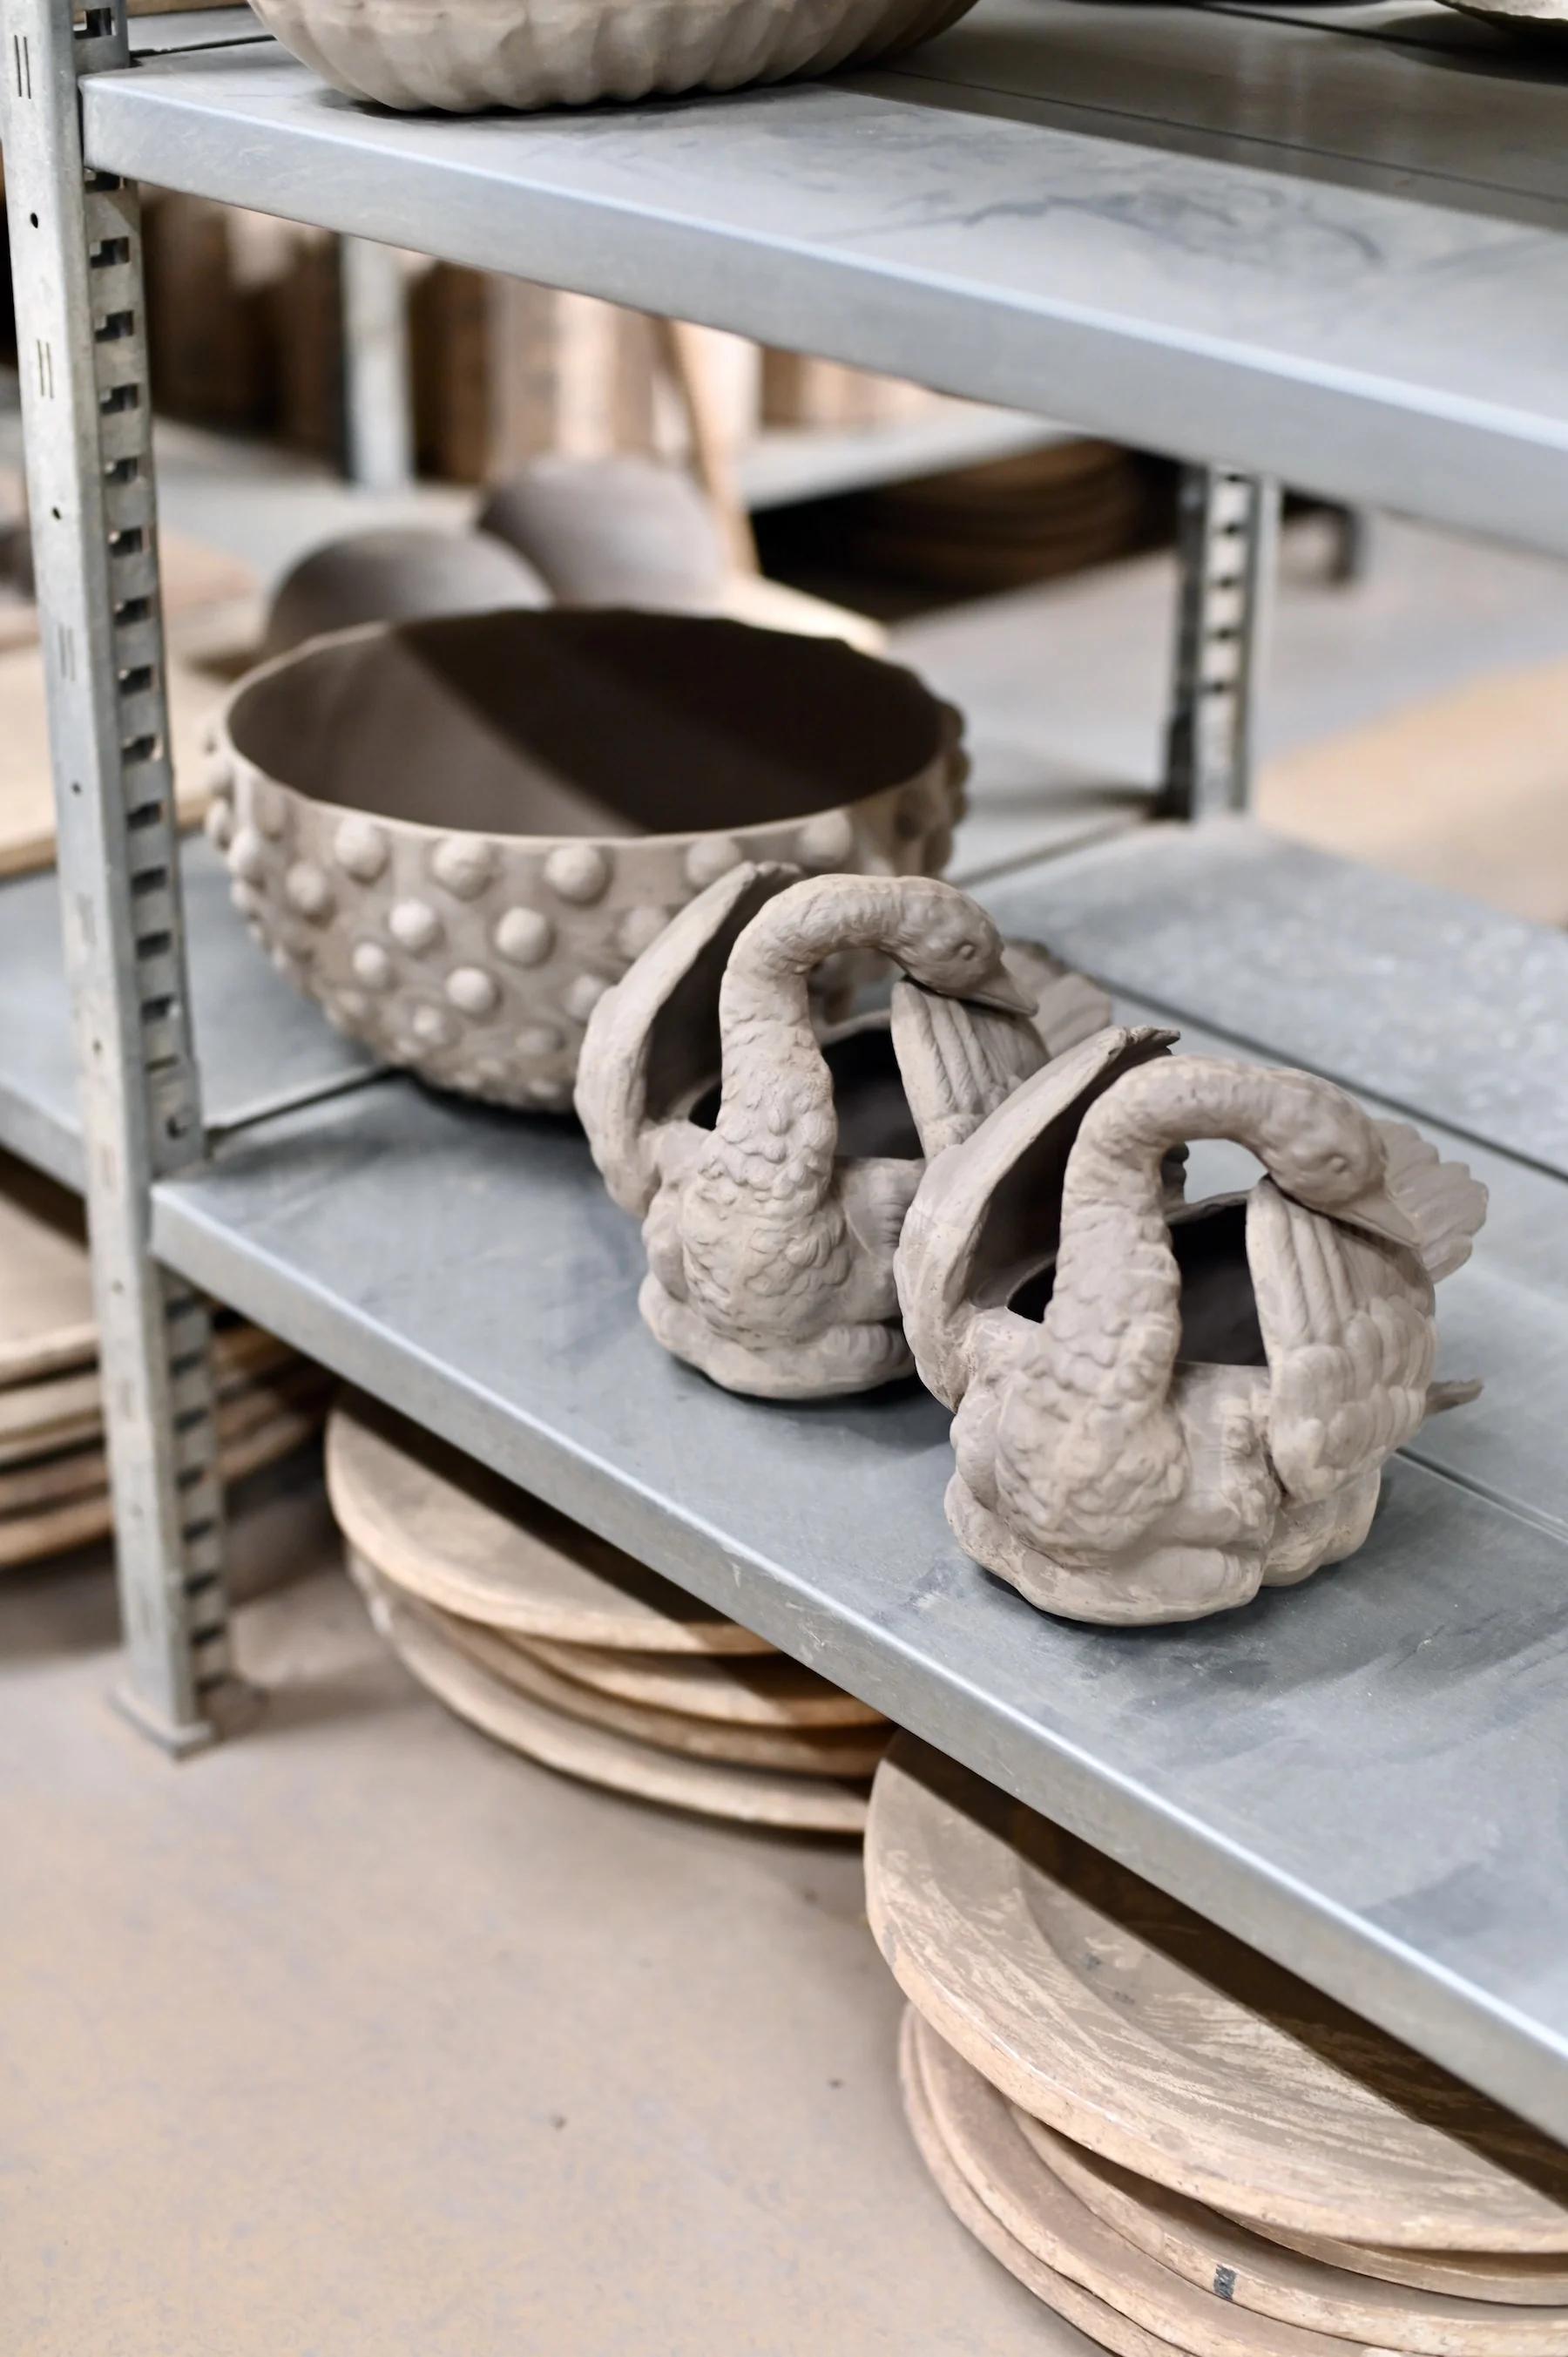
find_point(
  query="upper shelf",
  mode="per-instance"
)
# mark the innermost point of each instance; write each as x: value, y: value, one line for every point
x: 1316, y: 253
x: 1365, y: 1776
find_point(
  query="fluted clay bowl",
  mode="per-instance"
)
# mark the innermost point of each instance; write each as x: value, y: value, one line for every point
x: 454, y: 834
x: 522, y: 53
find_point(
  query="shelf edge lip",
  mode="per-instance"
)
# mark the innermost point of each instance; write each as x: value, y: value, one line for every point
x: 1480, y: 2038
x: 1491, y: 473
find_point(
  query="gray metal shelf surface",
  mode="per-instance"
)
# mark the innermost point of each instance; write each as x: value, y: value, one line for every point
x: 1365, y: 1776
x: 1293, y: 278
x: 264, y: 1047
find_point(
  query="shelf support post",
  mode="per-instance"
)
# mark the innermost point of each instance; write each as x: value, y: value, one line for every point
x: 87, y: 426
x: 1227, y: 534
x: 378, y: 423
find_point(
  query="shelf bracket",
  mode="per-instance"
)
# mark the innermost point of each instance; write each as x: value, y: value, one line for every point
x: 76, y: 254
x: 378, y: 420
x: 1227, y: 535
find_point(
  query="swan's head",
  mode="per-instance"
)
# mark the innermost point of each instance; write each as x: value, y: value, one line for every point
x: 945, y: 941
x: 1324, y: 1151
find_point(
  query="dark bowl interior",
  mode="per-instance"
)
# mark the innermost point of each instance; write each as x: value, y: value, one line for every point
x: 1219, y: 1307
x: 585, y: 723
x: 874, y: 1115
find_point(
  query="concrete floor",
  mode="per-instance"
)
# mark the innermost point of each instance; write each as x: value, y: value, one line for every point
x: 362, y: 2036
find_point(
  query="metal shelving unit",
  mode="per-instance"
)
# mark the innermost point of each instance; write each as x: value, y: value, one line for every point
x: 1267, y: 261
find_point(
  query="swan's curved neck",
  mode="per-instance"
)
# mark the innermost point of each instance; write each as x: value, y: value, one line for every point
x: 1116, y: 1269
x: 1127, y: 1132
x: 775, y: 1074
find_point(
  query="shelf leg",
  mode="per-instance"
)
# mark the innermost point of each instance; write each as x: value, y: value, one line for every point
x: 378, y: 424
x: 1226, y: 539
x: 87, y: 426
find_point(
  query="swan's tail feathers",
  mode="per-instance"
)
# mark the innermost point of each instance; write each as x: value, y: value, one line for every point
x: 958, y: 1061
x: 1347, y: 1324
x: 1068, y: 1007
x: 1442, y: 1202
x: 1441, y: 1396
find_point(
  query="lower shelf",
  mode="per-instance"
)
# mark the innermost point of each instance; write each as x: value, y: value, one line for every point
x: 262, y: 1046
x: 1365, y: 1777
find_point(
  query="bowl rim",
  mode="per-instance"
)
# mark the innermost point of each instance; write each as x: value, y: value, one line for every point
x: 947, y: 718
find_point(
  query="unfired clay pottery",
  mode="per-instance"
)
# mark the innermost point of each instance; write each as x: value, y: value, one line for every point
x: 768, y: 1689
x: 1036, y: 2209
x: 622, y: 530
x: 841, y: 1751
x: 397, y: 574
x: 455, y: 834
x: 441, y: 1528
x: 770, y: 1229
x: 1258, y: 2277
x: 517, y: 53
x: 1104, y: 2009
x: 709, y: 1788
x: 1286, y: 1341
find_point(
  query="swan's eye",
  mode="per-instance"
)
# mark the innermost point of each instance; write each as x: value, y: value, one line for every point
x: 966, y: 951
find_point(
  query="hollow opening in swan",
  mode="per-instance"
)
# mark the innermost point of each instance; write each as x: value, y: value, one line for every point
x: 1219, y: 1309
x: 869, y: 1097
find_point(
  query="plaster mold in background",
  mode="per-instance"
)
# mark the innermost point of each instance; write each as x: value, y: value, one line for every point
x: 400, y: 573
x: 517, y: 53
x: 440, y: 830
x: 771, y: 1207
x: 1159, y: 1407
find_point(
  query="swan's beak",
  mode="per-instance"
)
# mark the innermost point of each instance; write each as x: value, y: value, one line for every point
x: 1378, y: 1214
x: 1000, y: 990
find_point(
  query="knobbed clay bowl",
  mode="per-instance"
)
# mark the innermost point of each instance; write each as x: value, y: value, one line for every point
x: 529, y: 53
x: 455, y: 833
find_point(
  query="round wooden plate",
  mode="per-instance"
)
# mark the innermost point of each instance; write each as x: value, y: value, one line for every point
x: 1101, y: 2007
x: 1069, y: 2299
x: 59, y: 1411
x: 751, y: 1795
x: 1513, y: 2281
x: 768, y: 1689
x: 447, y: 1532
x: 1035, y: 2208
x: 46, y: 1284
x: 1212, y: 2252
x: 29, y: 1536
x: 839, y: 1751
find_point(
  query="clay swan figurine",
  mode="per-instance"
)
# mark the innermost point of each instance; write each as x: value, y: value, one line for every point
x: 1206, y: 1400
x: 772, y: 1205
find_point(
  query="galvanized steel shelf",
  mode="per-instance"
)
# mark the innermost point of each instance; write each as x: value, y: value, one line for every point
x: 1365, y: 1776
x: 1295, y: 278
x: 1328, y: 251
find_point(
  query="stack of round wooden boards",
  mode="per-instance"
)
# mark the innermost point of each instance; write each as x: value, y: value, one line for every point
x: 559, y: 1645
x: 1005, y: 522
x: 54, y: 1475
x: 1175, y: 2144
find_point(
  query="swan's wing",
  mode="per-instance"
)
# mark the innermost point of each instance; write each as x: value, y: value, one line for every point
x: 990, y: 1209
x: 1068, y: 1007
x: 958, y: 1061
x: 1347, y: 1327
x: 1444, y: 1205
x: 652, y: 1042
